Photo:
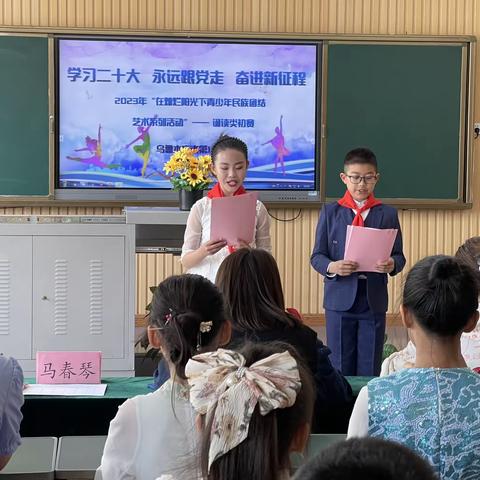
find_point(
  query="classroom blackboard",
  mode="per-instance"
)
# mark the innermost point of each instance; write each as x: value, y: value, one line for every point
x: 24, y: 122
x: 407, y: 103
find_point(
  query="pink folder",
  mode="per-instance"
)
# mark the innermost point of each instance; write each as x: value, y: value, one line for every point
x: 69, y: 367
x: 367, y: 246
x: 233, y: 218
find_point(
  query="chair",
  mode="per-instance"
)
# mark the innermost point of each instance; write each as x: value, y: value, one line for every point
x: 34, y: 459
x: 79, y: 457
x: 316, y: 443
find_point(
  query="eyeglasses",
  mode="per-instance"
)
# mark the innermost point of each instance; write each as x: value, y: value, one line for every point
x: 356, y: 179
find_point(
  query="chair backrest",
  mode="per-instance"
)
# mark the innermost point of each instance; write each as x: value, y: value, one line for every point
x: 316, y: 443
x: 79, y: 456
x: 34, y: 459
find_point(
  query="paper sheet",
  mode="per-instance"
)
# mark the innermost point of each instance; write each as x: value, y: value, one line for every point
x: 70, y: 390
x: 233, y: 218
x: 367, y: 246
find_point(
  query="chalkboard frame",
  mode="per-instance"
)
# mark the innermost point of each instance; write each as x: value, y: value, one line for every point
x: 52, y: 33
x: 49, y: 196
x: 465, y: 157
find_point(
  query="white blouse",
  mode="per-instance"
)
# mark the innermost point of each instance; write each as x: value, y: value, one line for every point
x: 197, y: 233
x: 152, y: 435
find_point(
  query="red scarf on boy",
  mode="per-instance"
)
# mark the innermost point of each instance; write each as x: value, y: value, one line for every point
x: 347, y: 201
x: 217, y: 192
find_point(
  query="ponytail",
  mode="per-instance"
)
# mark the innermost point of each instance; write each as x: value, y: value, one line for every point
x: 188, y: 311
x: 442, y: 293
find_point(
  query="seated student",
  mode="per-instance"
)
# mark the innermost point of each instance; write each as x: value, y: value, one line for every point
x: 256, y: 405
x: 250, y: 282
x: 366, y: 458
x: 11, y: 400
x: 469, y: 253
x: 154, y: 434
x: 433, y: 408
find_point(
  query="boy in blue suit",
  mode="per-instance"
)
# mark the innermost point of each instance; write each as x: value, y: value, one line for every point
x: 355, y: 303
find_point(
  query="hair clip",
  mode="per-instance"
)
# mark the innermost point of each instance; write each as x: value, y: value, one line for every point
x: 205, y: 326
x: 168, y: 317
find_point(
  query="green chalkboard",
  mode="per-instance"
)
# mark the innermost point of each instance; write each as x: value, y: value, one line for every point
x: 406, y: 103
x: 24, y: 122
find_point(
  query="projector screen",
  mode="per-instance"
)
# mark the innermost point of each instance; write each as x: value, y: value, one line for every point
x: 124, y: 106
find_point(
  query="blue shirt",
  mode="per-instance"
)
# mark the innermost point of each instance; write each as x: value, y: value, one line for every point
x: 11, y: 400
x: 435, y: 412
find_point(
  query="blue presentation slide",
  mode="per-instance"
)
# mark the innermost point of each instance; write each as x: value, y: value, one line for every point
x: 126, y: 106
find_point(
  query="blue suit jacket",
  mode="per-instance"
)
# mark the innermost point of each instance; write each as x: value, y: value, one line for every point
x: 340, y: 292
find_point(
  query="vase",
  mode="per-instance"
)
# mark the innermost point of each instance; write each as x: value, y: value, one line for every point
x: 188, y: 198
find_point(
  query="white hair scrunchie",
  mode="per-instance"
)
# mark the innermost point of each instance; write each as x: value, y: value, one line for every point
x: 221, y: 379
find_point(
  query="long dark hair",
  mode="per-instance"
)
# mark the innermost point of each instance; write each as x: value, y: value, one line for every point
x: 250, y: 282
x: 179, y: 305
x: 442, y: 294
x: 265, y: 452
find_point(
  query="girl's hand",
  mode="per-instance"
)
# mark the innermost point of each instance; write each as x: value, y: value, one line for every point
x: 342, y: 267
x: 213, y: 246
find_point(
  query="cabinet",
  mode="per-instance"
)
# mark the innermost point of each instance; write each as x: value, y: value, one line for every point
x: 68, y: 287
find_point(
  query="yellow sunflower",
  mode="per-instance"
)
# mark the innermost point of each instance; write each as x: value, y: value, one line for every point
x: 194, y: 177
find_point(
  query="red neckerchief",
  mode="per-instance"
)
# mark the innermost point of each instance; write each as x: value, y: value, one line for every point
x: 348, y: 202
x: 217, y: 192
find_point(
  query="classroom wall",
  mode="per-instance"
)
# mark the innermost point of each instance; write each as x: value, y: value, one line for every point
x: 425, y: 231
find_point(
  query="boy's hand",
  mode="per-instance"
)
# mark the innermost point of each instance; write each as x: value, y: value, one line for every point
x: 385, y: 267
x: 213, y: 246
x: 343, y: 267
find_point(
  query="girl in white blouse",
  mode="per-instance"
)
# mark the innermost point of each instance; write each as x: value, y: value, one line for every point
x: 200, y: 254
x: 154, y: 435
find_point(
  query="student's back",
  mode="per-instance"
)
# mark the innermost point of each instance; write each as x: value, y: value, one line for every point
x: 435, y: 411
x: 433, y: 408
x: 155, y: 434
x: 11, y: 400
x: 250, y: 282
x: 256, y: 405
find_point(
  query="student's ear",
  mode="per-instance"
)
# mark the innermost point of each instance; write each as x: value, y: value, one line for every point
x: 343, y: 177
x: 300, y: 439
x: 472, y: 323
x: 153, y: 338
x: 407, y: 318
x: 225, y: 334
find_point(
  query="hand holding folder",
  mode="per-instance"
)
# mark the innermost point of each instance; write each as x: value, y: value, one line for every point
x: 369, y: 246
x: 233, y: 219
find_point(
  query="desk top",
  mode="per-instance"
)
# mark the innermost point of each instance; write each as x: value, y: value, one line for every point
x: 118, y: 387
x: 128, y: 387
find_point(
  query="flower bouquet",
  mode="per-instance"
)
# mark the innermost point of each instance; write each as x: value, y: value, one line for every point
x: 189, y: 174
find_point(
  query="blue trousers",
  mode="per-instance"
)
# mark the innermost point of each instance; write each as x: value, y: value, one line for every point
x: 356, y: 337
